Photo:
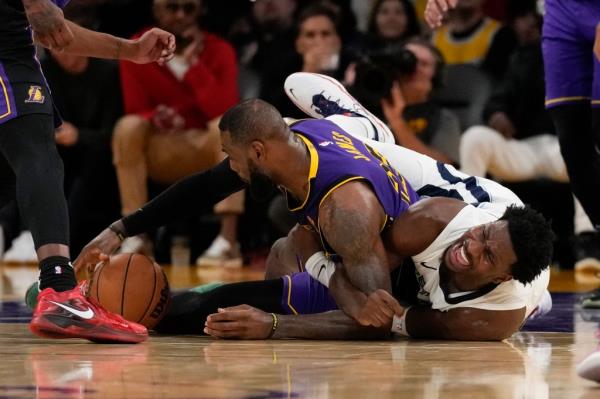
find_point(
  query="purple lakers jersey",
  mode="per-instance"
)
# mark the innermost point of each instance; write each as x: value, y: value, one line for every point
x: 337, y: 158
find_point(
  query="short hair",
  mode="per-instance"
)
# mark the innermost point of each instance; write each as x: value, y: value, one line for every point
x: 252, y: 119
x: 317, y: 10
x: 532, y: 240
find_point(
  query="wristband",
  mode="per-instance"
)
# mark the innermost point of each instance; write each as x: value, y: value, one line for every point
x: 320, y: 267
x: 274, y: 327
x: 399, y: 324
x: 118, y: 232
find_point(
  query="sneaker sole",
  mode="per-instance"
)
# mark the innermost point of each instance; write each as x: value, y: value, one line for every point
x: 588, y: 265
x: 378, y: 123
x: 45, y: 328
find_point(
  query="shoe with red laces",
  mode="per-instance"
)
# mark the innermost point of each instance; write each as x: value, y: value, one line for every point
x: 70, y: 314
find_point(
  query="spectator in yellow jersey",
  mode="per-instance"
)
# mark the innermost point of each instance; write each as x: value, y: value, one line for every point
x: 469, y: 37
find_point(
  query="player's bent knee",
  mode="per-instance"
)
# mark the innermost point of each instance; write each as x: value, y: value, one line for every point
x: 130, y: 128
x: 281, y: 260
x: 478, y: 138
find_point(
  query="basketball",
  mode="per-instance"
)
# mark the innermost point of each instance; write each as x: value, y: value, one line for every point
x: 133, y: 286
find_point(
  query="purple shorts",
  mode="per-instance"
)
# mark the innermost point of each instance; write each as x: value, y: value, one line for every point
x: 572, y: 71
x: 302, y: 294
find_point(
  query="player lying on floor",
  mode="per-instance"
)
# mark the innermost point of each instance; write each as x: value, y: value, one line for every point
x: 356, y: 211
x: 454, y: 300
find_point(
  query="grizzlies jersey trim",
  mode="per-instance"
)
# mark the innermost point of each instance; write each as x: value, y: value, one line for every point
x: 454, y: 299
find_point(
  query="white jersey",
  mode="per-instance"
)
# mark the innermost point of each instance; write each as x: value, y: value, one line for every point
x: 508, y: 295
x: 488, y: 201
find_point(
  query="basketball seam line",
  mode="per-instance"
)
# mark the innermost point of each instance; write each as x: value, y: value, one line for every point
x: 153, y: 293
x: 125, y: 284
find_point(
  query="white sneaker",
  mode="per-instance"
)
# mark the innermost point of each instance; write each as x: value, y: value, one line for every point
x: 321, y: 96
x: 221, y: 253
x: 543, y: 308
x: 22, y: 250
x: 589, y: 368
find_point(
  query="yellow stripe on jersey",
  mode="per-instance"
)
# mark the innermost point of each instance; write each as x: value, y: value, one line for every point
x: 289, y: 301
x: 566, y: 99
x: 6, y: 99
x: 404, y: 191
x: 470, y: 50
x: 314, y: 167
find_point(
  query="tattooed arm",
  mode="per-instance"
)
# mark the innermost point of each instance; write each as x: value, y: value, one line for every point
x: 351, y: 219
x: 53, y: 31
x: 48, y: 23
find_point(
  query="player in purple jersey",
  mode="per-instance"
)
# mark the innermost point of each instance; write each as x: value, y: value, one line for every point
x: 31, y: 170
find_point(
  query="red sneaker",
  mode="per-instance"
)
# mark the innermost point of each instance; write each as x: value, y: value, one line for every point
x: 70, y: 314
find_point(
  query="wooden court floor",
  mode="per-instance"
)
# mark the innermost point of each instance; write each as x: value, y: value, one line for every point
x: 529, y: 365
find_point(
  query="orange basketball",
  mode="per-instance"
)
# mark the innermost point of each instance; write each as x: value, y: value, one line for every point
x: 133, y: 286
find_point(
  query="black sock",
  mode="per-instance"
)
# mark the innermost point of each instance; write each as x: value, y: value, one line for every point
x: 57, y: 273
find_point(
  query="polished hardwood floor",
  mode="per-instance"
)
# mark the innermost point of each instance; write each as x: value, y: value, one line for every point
x: 537, y: 363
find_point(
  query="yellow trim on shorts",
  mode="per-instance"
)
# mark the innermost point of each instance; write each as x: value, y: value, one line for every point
x: 289, y: 301
x: 559, y: 99
x: 6, y: 98
x: 314, y: 167
x: 595, y: 101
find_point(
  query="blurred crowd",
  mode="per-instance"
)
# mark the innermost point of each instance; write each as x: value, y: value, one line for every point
x: 470, y: 94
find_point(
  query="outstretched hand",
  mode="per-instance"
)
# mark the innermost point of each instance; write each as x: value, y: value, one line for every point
x: 156, y: 45
x: 240, y: 322
x: 97, y: 251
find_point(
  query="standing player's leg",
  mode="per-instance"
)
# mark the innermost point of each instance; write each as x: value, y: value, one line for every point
x: 28, y: 145
x: 569, y: 71
x: 62, y: 311
x: 596, y: 93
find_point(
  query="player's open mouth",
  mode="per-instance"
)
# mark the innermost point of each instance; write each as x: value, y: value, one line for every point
x: 459, y: 258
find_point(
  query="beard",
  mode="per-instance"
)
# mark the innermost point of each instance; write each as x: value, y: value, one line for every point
x: 261, y: 186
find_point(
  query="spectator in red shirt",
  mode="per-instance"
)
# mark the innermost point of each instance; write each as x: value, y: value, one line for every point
x: 170, y: 130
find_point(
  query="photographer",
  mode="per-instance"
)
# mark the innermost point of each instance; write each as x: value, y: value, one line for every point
x: 398, y: 87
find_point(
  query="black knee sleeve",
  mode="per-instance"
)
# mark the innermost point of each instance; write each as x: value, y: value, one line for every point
x: 28, y: 145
